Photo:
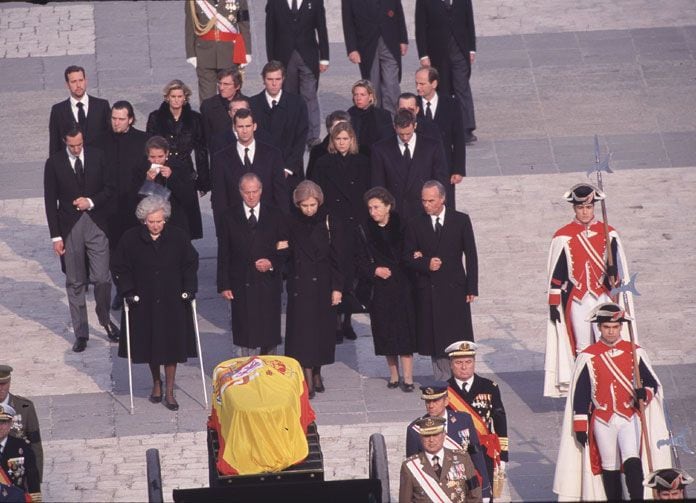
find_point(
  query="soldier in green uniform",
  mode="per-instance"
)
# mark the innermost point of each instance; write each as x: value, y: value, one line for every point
x: 217, y: 36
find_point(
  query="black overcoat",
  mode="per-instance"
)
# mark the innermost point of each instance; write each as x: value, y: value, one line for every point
x: 158, y: 271
x: 392, y: 313
x: 125, y: 152
x: 371, y: 125
x: 314, y: 272
x: 442, y: 314
x: 185, y: 136
x: 256, y: 304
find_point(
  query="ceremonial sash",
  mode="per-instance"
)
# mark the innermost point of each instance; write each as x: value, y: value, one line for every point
x: 4, y: 478
x: 225, y: 31
x: 430, y: 486
x: 489, y: 440
x: 449, y: 442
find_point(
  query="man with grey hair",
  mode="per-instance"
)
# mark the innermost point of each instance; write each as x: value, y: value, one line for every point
x: 445, y: 287
x: 252, y: 239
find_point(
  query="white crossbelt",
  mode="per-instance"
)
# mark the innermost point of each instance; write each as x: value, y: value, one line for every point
x: 429, y: 485
x: 221, y: 22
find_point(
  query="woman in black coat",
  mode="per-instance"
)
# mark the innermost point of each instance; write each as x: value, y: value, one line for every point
x: 314, y: 284
x: 370, y: 123
x: 155, y: 268
x: 170, y: 174
x: 183, y: 130
x: 391, y: 311
x: 344, y: 176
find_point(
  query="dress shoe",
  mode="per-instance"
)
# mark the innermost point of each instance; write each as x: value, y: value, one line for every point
x: 319, y: 385
x: 80, y: 345
x: 112, y: 331
x: 408, y: 388
x: 470, y: 138
x: 117, y: 303
x: 155, y: 398
x: 349, y: 333
x: 392, y: 384
x: 173, y: 405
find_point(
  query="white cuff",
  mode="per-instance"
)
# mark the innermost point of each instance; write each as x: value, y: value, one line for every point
x: 324, y: 62
x: 55, y: 240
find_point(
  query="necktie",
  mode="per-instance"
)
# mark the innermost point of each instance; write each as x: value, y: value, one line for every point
x: 81, y: 117
x: 294, y: 7
x: 252, y: 218
x: 428, y: 111
x: 407, y: 153
x: 466, y: 386
x: 80, y: 174
x: 274, y: 103
x: 436, y: 466
x: 448, y: 3
x: 438, y: 226
x: 247, y: 161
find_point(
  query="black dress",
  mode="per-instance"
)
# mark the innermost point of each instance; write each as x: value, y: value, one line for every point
x: 158, y: 271
x: 370, y: 125
x: 185, y: 136
x: 310, y: 333
x: 392, y: 311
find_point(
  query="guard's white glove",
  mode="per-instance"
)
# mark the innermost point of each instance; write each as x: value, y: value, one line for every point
x: 192, y: 61
x: 486, y: 500
x: 248, y: 60
x: 501, y: 466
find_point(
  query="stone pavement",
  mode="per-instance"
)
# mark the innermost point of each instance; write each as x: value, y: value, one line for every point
x: 544, y: 83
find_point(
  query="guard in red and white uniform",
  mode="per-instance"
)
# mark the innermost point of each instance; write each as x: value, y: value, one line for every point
x: 579, y: 279
x: 602, y: 410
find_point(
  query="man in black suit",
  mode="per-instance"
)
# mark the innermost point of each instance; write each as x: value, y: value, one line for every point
x: 216, y: 109
x: 376, y: 39
x: 283, y: 116
x: 433, y: 249
x: 405, y: 161
x: 17, y: 460
x: 296, y: 36
x: 249, y: 274
x: 78, y: 195
x: 424, y: 126
x: 124, y: 148
x: 90, y: 113
x: 446, y: 39
x: 247, y: 155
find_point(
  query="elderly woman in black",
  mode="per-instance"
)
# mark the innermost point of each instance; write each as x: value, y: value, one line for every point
x: 370, y: 123
x: 183, y: 130
x: 155, y: 269
x: 391, y: 311
x: 344, y: 176
x: 314, y: 284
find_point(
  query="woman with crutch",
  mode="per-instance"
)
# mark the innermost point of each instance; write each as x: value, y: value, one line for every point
x: 155, y: 268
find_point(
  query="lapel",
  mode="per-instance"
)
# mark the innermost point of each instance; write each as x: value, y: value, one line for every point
x: 67, y: 113
x: 427, y: 467
x: 446, y: 465
x: 411, y: 174
x: 398, y: 159
x: 91, y: 116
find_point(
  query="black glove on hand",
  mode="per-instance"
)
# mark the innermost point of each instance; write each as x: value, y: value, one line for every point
x: 612, y: 271
x: 554, y: 314
x: 581, y: 437
x: 188, y: 296
x: 132, y: 300
x: 641, y: 394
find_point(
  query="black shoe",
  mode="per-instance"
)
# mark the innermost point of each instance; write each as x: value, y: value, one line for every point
x: 408, y: 388
x: 470, y: 138
x: 112, y: 331
x: 117, y: 303
x: 349, y: 333
x: 339, y: 336
x: 155, y: 398
x: 80, y: 345
x: 170, y: 405
x: 392, y: 384
x: 319, y: 385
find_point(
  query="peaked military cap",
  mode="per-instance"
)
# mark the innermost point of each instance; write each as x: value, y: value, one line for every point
x: 434, y: 390
x: 461, y: 348
x: 431, y: 425
x: 7, y: 413
x: 5, y: 371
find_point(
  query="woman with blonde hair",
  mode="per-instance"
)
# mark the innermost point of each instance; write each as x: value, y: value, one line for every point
x: 370, y: 123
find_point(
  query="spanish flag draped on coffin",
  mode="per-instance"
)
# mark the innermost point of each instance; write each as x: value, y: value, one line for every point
x: 261, y: 412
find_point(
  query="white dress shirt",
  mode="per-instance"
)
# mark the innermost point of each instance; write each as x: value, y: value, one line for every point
x: 465, y: 385
x: 252, y: 151
x: 441, y: 216
x: 433, y: 104
x: 411, y: 145
x: 247, y: 210
x: 73, y: 105
x: 270, y: 99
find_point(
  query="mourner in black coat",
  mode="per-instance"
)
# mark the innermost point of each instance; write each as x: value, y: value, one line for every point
x: 249, y: 268
x: 444, y: 286
x: 370, y: 123
x: 314, y: 284
x: 66, y: 114
x: 215, y: 111
x: 404, y: 175
x: 124, y: 148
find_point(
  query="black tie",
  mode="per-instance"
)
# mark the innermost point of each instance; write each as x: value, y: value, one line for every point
x: 428, y: 112
x: 81, y: 117
x: 294, y: 7
x: 274, y: 104
x: 247, y: 161
x: 448, y: 3
x: 407, y: 153
x: 252, y: 219
x: 80, y: 174
x: 436, y: 466
x: 438, y: 226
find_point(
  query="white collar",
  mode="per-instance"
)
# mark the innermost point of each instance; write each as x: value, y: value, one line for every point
x: 270, y: 98
x: 257, y: 209
x: 84, y: 100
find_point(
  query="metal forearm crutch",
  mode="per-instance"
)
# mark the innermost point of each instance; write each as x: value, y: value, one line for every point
x: 198, y: 347
x: 126, y: 311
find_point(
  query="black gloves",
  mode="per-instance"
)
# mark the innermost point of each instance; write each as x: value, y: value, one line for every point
x: 554, y: 314
x: 188, y: 296
x: 132, y: 300
x: 612, y: 271
x: 581, y: 437
x: 641, y: 394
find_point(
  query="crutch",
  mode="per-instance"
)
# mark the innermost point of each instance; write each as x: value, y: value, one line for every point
x: 198, y: 345
x: 126, y: 311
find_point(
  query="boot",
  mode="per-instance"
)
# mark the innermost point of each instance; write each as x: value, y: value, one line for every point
x: 633, y: 469
x: 611, y: 479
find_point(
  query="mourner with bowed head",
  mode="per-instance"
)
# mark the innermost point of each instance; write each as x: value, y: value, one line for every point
x: 392, y: 314
x: 370, y: 123
x: 182, y: 127
x: 314, y: 283
x: 156, y: 269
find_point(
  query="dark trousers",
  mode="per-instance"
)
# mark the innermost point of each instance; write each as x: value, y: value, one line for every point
x: 300, y: 79
x: 455, y: 73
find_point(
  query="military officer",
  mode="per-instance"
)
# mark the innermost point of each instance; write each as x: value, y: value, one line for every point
x: 25, y: 424
x: 480, y: 398
x: 461, y: 432
x: 17, y: 462
x: 669, y: 483
x: 580, y: 277
x: 438, y: 473
x: 218, y: 35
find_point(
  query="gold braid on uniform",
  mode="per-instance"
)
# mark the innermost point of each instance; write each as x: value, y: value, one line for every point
x: 198, y: 28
